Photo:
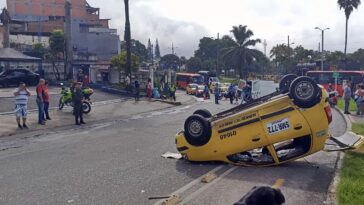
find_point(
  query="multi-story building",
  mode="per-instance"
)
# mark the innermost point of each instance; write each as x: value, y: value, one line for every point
x: 91, y: 35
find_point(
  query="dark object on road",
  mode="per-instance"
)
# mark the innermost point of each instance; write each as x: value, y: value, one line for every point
x: 15, y: 76
x: 262, y: 195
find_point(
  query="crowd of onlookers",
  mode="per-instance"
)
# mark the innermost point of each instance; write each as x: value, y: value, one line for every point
x: 357, y: 95
x: 22, y: 94
x: 234, y: 93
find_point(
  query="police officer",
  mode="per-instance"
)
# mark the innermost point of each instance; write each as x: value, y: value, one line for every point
x: 172, y: 91
x: 77, y: 102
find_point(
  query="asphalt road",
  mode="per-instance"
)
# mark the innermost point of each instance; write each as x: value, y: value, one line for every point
x: 7, y: 99
x: 119, y: 162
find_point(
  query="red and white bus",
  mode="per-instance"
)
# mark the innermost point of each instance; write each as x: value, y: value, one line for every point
x: 325, y: 78
x: 183, y: 79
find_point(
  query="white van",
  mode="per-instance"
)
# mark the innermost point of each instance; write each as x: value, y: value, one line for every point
x: 260, y: 88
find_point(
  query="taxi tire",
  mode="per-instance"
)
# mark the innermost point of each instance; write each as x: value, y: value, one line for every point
x: 285, y: 82
x: 203, y: 134
x: 309, y: 101
x: 203, y: 112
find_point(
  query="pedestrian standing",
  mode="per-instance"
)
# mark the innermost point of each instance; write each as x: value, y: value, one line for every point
x: 166, y: 90
x: 172, y: 91
x: 361, y: 96
x: 347, y: 96
x: 46, y: 101
x: 217, y: 93
x: 127, y: 84
x: 40, y: 101
x: 86, y: 81
x: 137, y: 89
x: 236, y: 94
x: 206, y: 92
x: 149, y: 89
x: 231, y: 93
x: 77, y: 104
x: 358, y: 99
x: 80, y: 76
x: 21, y: 102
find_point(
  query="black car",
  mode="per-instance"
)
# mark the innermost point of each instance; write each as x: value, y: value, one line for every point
x: 15, y: 76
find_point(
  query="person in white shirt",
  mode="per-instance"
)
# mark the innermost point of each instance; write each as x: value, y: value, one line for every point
x: 21, y: 101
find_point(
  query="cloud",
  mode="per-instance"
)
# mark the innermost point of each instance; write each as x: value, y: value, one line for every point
x: 146, y: 23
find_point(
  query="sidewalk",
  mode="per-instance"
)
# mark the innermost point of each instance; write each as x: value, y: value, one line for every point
x: 100, y: 111
x: 356, y: 119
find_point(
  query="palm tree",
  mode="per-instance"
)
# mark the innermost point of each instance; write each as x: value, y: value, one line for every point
x: 240, y: 54
x: 127, y: 38
x: 348, y: 6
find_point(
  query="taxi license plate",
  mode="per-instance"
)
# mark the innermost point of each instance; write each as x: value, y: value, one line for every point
x: 278, y: 126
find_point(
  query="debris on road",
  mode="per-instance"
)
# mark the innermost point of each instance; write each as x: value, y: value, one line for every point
x: 172, y: 200
x: 171, y: 155
x: 208, y: 177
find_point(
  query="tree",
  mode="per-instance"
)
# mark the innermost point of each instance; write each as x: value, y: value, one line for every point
x: 358, y: 56
x: 157, y: 52
x: 348, y: 6
x: 119, y: 63
x: 334, y: 58
x: 194, y: 64
x: 241, y: 55
x: 150, y: 50
x: 39, y: 51
x: 170, y: 61
x: 57, y: 44
x: 127, y: 38
x: 137, y: 48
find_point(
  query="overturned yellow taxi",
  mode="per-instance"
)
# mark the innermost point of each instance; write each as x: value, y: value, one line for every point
x: 283, y: 126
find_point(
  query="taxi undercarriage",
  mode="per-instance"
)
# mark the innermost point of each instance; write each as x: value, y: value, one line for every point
x: 286, y: 125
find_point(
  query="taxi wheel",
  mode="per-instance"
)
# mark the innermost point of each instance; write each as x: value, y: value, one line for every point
x: 305, y: 92
x: 203, y: 112
x: 285, y: 82
x: 197, y: 130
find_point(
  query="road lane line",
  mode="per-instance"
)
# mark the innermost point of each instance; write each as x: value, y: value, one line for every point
x: 205, y: 187
x: 191, y: 184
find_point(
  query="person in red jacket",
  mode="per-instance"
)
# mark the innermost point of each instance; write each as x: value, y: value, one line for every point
x: 46, y: 101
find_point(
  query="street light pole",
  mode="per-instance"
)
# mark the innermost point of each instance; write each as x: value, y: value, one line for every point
x: 322, y: 45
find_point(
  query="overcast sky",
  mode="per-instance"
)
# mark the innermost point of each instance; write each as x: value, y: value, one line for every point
x: 184, y: 22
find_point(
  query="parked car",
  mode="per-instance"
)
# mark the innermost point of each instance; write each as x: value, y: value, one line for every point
x: 15, y: 76
x: 286, y: 125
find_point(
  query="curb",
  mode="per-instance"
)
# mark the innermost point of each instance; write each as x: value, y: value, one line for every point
x: 331, y: 192
x: 168, y: 102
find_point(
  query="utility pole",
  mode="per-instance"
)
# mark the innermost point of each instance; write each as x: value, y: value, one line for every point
x: 151, y: 69
x: 5, y: 19
x: 265, y: 47
x: 322, y: 46
x: 218, y: 54
x: 68, y: 69
x: 127, y: 38
x: 319, y: 47
x: 172, y: 48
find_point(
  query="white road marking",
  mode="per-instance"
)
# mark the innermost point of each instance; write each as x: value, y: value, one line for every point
x: 205, y: 187
x: 191, y: 184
